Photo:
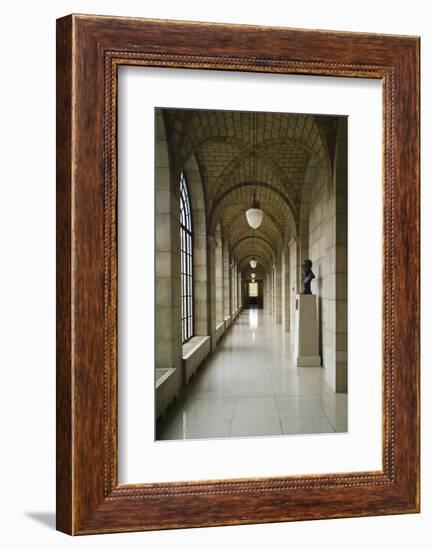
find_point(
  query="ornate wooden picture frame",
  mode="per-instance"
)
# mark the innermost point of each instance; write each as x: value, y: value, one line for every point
x: 89, y: 51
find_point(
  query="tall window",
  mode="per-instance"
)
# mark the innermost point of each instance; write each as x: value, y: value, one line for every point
x: 186, y: 234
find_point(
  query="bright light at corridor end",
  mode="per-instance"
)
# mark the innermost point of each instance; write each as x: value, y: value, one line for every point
x: 253, y: 264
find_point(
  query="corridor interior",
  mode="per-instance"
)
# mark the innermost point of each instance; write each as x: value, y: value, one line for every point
x: 243, y: 200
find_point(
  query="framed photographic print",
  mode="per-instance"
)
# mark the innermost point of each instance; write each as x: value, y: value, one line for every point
x: 237, y: 274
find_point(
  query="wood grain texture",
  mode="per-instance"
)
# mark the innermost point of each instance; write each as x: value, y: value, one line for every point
x: 64, y: 496
x: 90, y: 49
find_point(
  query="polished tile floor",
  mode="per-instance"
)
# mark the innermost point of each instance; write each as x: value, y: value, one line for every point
x: 249, y: 387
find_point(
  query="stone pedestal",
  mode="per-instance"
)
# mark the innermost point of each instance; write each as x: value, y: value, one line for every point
x: 306, y: 345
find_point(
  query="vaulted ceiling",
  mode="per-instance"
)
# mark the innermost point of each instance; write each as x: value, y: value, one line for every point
x: 222, y: 143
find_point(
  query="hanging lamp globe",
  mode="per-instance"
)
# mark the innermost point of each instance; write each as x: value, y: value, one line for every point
x: 254, y: 214
x: 253, y: 263
x: 253, y: 275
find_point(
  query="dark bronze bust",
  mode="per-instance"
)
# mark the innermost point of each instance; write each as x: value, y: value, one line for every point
x: 307, y: 276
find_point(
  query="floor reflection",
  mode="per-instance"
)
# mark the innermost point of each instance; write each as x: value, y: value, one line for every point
x: 250, y: 387
x: 253, y: 318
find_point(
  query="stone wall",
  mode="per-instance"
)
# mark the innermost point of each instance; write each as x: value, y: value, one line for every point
x: 327, y: 248
x: 168, y: 283
x: 341, y: 257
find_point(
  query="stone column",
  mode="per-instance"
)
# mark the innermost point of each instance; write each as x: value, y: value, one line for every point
x: 294, y: 287
x: 211, y: 293
x: 219, y: 281
x: 226, y: 282
x: 230, y: 286
x: 278, y: 295
x: 164, y: 259
x: 168, y: 282
x: 200, y: 275
x: 235, y: 274
x: 341, y: 253
x: 269, y: 286
x: 285, y: 288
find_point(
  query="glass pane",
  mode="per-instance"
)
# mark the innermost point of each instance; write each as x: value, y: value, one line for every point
x: 186, y: 260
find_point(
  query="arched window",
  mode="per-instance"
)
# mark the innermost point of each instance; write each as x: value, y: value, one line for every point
x: 186, y: 234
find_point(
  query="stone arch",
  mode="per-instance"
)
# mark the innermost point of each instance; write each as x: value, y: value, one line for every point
x: 250, y: 246
x: 222, y: 199
x: 248, y: 237
x: 189, y: 129
x: 245, y: 261
x: 239, y: 228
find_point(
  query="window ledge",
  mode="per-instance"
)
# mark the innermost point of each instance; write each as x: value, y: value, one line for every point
x: 167, y: 387
x: 162, y: 374
x: 195, y: 351
x: 193, y: 345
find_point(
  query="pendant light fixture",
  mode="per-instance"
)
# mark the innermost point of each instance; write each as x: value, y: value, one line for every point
x: 253, y: 261
x: 254, y: 214
x: 253, y: 276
